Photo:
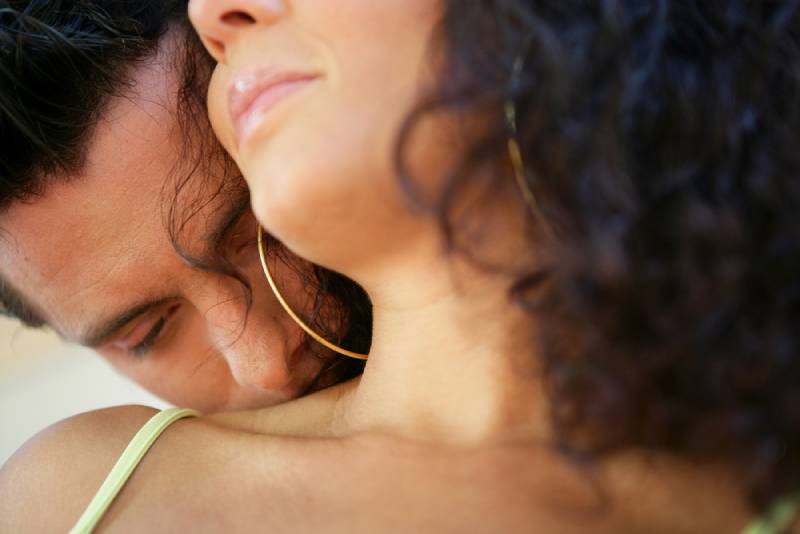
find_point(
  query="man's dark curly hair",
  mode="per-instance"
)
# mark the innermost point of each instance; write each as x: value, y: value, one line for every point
x: 662, y: 141
x: 61, y: 61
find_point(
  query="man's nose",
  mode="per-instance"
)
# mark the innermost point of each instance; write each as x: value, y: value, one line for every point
x: 261, y: 367
x: 251, y: 345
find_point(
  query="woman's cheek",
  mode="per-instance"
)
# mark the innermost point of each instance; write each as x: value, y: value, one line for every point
x: 217, y: 109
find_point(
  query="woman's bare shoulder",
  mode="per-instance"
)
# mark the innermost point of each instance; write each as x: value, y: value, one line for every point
x: 199, y: 475
x: 60, y: 469
x: 202, y: 476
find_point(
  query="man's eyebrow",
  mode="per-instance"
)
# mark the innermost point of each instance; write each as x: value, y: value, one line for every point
x: 95, y: 336
x: 14, y: 305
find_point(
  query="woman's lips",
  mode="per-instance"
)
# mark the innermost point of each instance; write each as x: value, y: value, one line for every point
x: 252, y: 95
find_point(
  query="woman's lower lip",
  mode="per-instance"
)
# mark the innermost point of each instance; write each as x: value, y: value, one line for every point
x: 264, y: 103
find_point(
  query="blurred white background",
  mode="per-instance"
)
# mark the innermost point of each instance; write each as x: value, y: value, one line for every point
x: 44, y: 380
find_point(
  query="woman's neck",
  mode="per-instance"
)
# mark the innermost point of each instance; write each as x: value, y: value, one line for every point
x: 451, y: 357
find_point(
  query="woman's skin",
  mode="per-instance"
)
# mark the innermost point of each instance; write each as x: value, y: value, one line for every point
x: 445, y: 430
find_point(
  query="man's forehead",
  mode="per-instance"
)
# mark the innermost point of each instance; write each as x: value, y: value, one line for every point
x: 113, y: 205
x: 84, y: 232
x: 68, y: 267
x: 95, y: 237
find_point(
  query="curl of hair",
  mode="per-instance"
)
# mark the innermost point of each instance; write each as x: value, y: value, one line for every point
x: 661, y: 140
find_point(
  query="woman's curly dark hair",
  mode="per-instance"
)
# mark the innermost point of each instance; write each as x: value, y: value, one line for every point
x: 662, y: 141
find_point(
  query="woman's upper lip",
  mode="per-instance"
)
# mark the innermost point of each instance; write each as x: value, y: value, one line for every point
x: 247, y: 87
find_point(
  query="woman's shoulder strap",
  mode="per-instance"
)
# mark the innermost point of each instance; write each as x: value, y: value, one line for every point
x: 778, y: 518
x: 126, y: 464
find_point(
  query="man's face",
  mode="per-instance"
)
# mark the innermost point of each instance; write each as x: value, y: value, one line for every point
x: 92, y: 257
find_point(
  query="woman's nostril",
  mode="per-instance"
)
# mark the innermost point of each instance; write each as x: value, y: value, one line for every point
x: 216, y: 47
x: 237, y: 18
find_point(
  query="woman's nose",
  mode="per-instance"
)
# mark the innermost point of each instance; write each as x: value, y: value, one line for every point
x: 220, y: 22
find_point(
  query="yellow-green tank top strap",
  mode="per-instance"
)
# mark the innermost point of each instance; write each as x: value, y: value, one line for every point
x: 777, y: 519
x: 126, y: 464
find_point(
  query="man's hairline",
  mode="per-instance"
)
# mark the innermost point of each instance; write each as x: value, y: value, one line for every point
x: 12, y: 302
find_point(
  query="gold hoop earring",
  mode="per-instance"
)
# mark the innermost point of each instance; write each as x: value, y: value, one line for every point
x: 307, y: 329
x: 515, y: 155
x: 514, y: 151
